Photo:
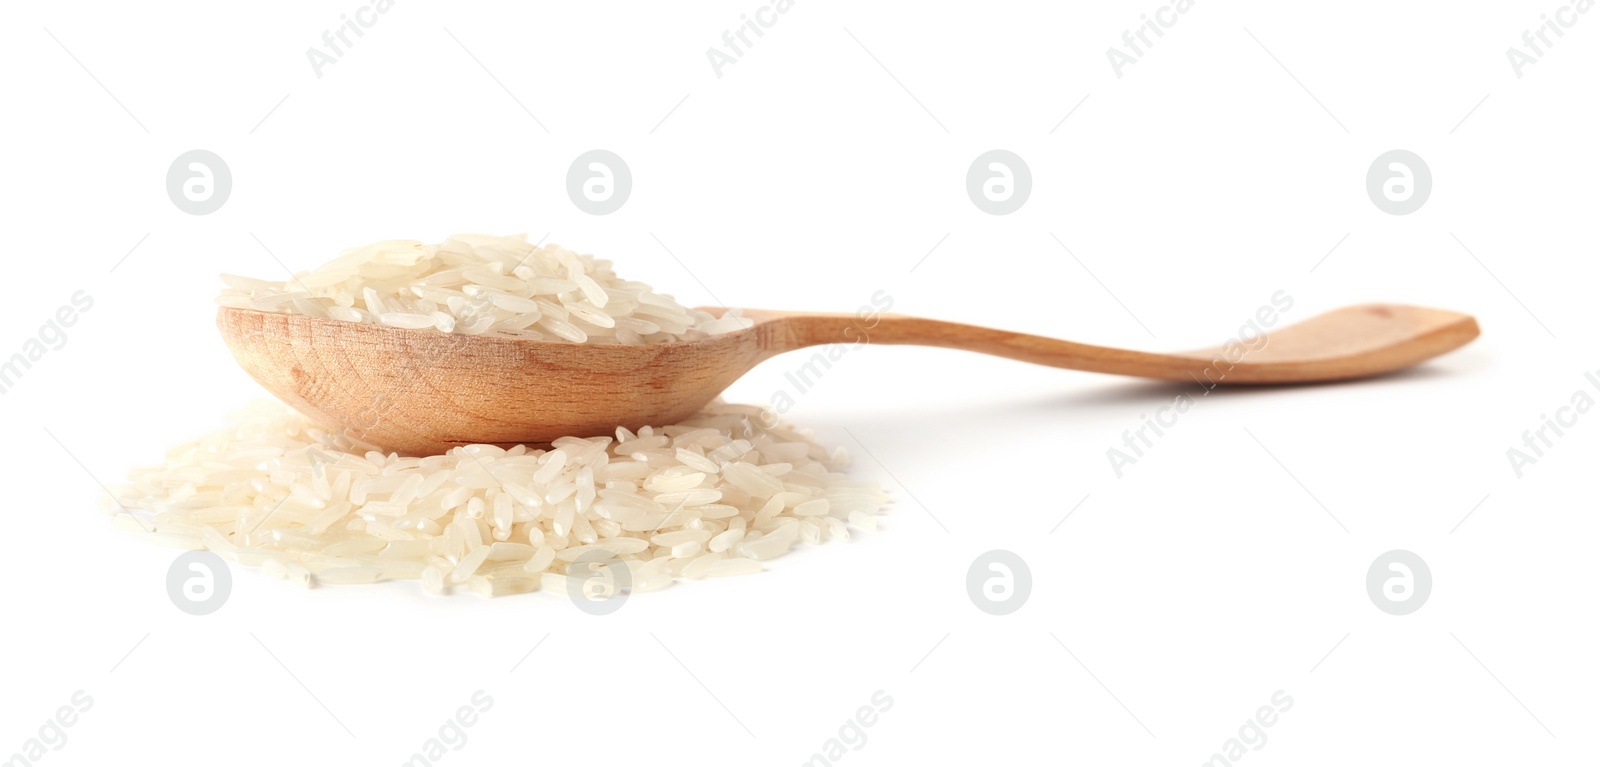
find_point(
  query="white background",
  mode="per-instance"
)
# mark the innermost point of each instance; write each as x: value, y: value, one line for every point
x: 1165, y: 610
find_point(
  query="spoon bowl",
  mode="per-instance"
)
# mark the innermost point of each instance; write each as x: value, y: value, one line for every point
x: 421, y: 392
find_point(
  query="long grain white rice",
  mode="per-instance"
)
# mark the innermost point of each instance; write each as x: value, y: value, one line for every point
x: 478, y: 284
x: 712, y: 496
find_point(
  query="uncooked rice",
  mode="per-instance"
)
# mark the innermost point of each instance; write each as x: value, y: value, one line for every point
x: 714, y: 495
x: 478, y: 284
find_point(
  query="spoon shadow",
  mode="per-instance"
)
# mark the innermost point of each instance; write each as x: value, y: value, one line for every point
x: 1110, y: 402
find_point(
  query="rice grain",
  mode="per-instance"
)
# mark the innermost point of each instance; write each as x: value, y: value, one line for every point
x: 711, y: 496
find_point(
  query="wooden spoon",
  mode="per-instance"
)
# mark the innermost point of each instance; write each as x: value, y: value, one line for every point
x: 422, y: 392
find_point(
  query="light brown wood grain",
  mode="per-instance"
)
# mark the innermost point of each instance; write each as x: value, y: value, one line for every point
x: 421, y: 392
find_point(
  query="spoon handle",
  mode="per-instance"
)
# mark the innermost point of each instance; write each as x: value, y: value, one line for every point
x: 1347, y: 343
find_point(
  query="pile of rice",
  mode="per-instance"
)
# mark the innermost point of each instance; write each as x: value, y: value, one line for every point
x: 480, y: 284
x: 714, y: 495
